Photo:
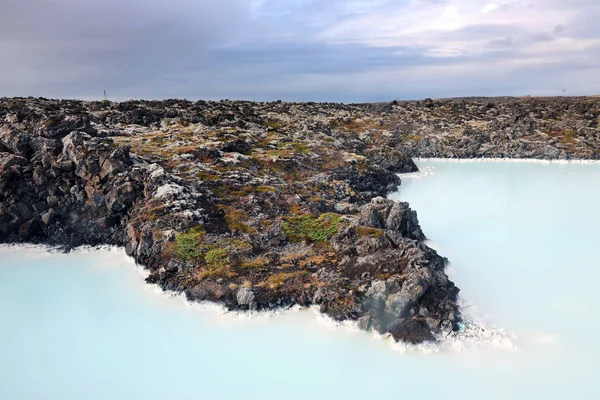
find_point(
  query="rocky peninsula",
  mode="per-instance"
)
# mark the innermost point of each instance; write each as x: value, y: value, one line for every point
x: 259, y: 206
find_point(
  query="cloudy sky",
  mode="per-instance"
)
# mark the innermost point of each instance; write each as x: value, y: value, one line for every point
x: 321, y: 50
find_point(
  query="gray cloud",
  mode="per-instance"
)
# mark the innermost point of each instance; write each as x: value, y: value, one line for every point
x: 270, y: 49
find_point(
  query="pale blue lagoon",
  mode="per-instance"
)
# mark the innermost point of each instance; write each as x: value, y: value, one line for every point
x: 522, y: 240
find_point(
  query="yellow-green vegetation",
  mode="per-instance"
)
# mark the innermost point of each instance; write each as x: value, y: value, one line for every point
x: 568, y: 137
x: 276, y: 280
x: 310, y: 228
x: 231, y: 194
x: 367, y: 231
x: 192, y: 246
x: 216, y: 258
x: 219, y: 254
x: 187, y: 245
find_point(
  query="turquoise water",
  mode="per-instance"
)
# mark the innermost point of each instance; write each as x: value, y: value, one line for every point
x: 521, y: 238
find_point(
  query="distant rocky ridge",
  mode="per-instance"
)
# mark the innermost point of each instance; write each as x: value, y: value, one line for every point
x: 554, y: 128
x: 265, y: 205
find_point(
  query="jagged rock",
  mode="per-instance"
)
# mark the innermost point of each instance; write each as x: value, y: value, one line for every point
x: 411, y: 331
x: 389, y: 215
x: 245, y: 297
x: 121, y: 197
x: 9, y: 160
x: 14, y: 140
x: 72, y: 146
x: 399, y: 304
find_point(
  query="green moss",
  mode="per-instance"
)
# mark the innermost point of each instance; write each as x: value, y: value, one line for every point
x: 216, y: 259
x: 187, y: 244
x: 223, y: 253
x: 310, y: 228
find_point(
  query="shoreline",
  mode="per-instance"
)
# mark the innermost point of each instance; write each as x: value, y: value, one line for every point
x: 473, y: 334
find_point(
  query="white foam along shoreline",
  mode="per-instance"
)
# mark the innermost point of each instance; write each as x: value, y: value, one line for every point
x: 472, y: 335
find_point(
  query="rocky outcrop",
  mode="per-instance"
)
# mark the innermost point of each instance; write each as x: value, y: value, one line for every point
x: 266, y: 205
x: 538, y: 128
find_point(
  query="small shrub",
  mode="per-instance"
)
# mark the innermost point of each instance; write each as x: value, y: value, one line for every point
x: 276, y: 280
x: 216, y: 258
x: 311, y: 229
x: 187, y: 244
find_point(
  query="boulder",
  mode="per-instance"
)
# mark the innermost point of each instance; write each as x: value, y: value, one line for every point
x: 121, y: 197
x: 8, y: 160
x: 15, y: 140
x: 245, y: 297
x: 411, y: 331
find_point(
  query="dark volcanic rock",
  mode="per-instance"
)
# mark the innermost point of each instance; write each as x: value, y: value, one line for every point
x: 266, y: 205
x: 411, y: 331
x: 541, y: 128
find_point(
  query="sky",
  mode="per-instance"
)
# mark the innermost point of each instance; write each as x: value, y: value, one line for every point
x: 298, y: 50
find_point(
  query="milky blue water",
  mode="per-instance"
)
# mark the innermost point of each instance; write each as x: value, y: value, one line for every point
x: 522, y: 239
